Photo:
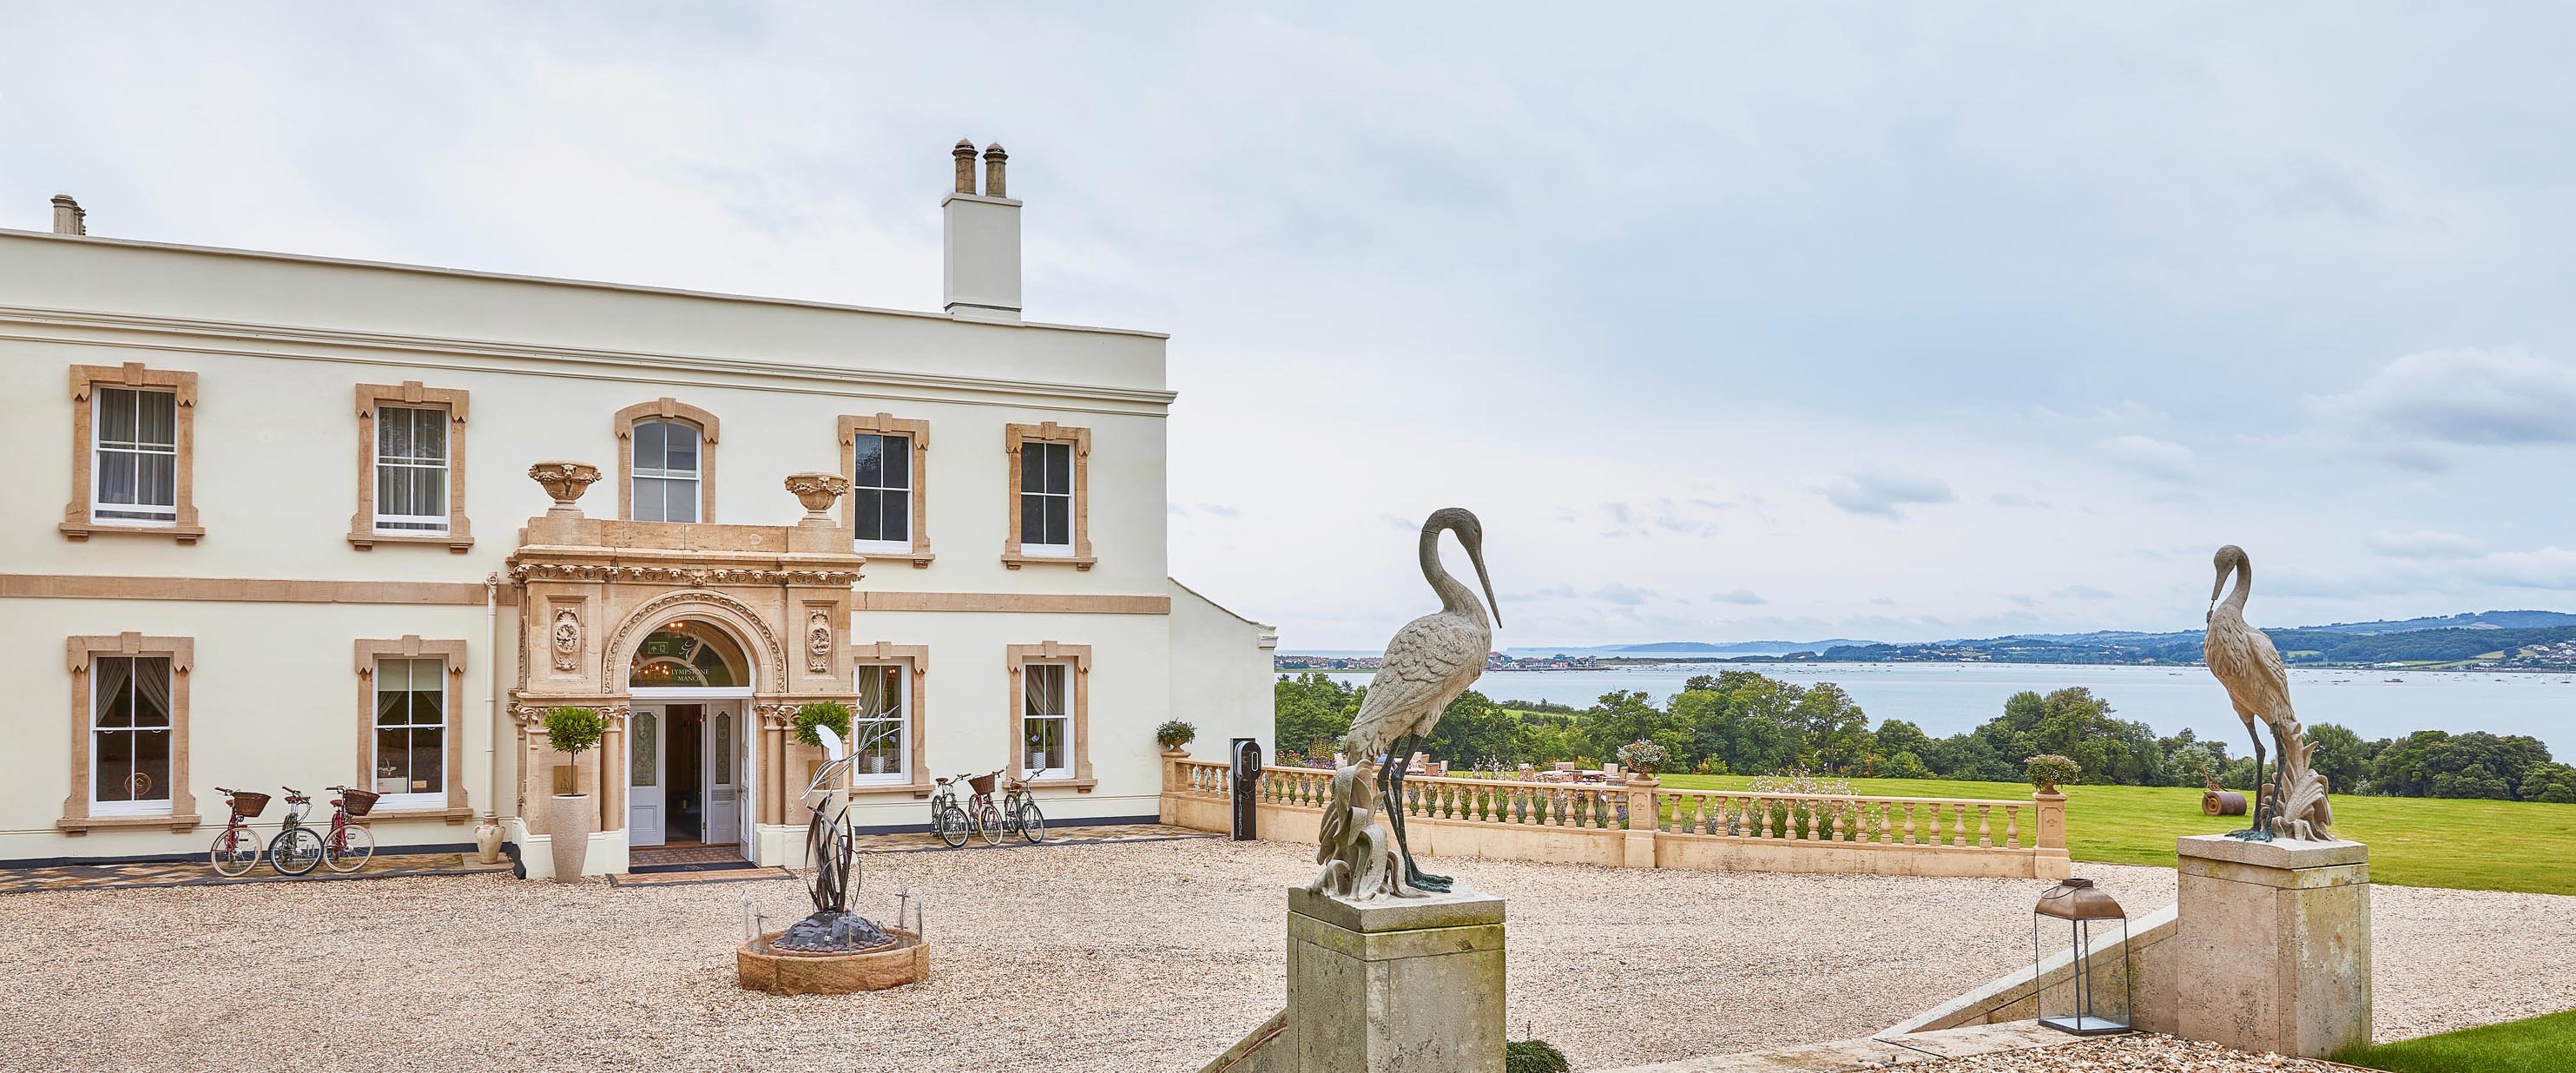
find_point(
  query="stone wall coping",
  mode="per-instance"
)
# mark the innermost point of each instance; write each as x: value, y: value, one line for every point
x: 1452, y: 910
x: 2279, y: 853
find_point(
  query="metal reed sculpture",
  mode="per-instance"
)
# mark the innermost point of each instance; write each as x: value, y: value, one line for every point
x: 2247, y: 663
x: 1431, y: 660
x: 828, y: 837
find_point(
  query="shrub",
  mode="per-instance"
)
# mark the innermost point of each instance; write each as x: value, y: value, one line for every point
x: 2049, y: 769
x: 573, y: 730
x: 822, y: 713
x: 1174, y: 733
x: 1800, y: 781
x: 1643, y: 755
x: 1533, y: 1056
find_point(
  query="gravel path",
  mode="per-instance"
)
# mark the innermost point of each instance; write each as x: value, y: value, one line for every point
x: 1136, y: 956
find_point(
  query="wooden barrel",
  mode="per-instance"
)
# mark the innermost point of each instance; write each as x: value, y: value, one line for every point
x: 2222, y: 803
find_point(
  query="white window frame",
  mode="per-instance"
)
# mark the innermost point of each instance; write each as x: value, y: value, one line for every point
x: 885, y: 443
x: 102, y: 512
x: 663, y: 476
x: 413, y: 524
x: 98, y: 710
x: 1044, y: 449
x: 425, y: 799
x: 1065, y: 744
x: 901, y: 717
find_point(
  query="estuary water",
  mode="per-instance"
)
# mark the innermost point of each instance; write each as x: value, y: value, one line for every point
x: 1946, y: 698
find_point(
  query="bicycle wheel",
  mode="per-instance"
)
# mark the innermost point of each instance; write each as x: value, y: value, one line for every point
x: 1032, y: 822
x: 951, y: 826
x: 235, y: 852
x: 988, y: 823
x: 349, y: 849
x: 295, y: 851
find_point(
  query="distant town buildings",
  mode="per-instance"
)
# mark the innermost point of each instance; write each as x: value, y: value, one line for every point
x: 1494, y: 661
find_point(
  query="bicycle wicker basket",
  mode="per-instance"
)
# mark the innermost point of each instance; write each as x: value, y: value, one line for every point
x: 357, y: 802
x: 983, y: 784
x: 248, y: 804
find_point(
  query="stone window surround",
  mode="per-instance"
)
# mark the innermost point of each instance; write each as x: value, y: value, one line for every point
x: 1078, y: 683
x: 666, y: 408
x: 77, y: 523
x: 78, y: 651
x: 1050, y: 432
x: 851, y: 425
x: 362, y: 525
x: 916, y: 658
x: 366, y: 652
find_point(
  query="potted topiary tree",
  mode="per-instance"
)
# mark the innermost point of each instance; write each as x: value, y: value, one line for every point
x: 1174, y: 734
x: 2046, y: 770
x: 569, y: 813
x: 830, y: 714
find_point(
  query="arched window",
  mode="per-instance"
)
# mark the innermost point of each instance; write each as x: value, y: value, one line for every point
x: 684, y: 653
x: 666, y: 471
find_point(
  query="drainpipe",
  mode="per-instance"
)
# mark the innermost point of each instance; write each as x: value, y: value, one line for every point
x: 491, y: 681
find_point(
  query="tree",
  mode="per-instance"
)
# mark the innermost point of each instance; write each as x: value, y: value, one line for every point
x: 2341, y: 756
x: 1472, y: 730
x: 1624, y: 716
x: 1312, y: 711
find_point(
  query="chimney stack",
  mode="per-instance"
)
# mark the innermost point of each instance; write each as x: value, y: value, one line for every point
x: 981, y: 266
x: 69, y: 219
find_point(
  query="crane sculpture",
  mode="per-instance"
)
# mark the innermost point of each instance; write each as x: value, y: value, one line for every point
x: 2246, y: 662
x: 1431, y: 660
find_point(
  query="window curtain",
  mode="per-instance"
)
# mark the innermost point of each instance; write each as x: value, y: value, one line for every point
x: 115, y: 675
x: 152, y: 691
x: 1044, y: 686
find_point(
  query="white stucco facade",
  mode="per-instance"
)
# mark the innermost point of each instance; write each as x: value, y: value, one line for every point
x: 274, y: 594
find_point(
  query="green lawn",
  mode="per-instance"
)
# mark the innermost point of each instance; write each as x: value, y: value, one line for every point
x: 2545, y: 1044
x: 2414, y: 841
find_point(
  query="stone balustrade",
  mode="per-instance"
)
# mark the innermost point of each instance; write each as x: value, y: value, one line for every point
x: 1639, y: 823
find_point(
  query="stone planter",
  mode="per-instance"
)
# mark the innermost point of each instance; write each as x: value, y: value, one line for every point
x: 760, y: 967
x: 568, y: 829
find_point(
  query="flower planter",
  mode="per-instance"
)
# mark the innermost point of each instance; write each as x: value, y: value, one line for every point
x: 568, y: 830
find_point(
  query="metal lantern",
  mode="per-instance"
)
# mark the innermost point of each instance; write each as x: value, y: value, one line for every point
x: 2088, y: 913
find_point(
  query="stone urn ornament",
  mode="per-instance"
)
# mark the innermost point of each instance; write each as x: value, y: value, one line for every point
x: 487, y: 840
x: 565, y: 482
x: 818, y: 491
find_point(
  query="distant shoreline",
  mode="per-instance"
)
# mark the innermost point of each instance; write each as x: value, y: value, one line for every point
x: 1751, y: 661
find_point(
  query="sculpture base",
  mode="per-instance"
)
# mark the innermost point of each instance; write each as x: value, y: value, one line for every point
x: 2274, y: 938
x: 1392, y: 984
x: 758, y: 966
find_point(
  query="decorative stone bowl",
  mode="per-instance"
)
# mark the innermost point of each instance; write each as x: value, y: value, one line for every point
x: 760, y: 967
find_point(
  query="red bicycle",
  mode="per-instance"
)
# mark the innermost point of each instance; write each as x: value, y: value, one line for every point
x: 349, y: 845
x: 236, y: 848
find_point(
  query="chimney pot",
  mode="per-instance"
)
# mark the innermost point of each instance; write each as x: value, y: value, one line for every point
x: 965, y: 154
x: 994, y: 158
x: 69, y: 219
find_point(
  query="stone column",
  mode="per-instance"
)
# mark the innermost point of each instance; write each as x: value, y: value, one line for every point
x: 1643, y: 821
x: 1396, y: 984
x: 1171, y: 807
x: 2273, y: 944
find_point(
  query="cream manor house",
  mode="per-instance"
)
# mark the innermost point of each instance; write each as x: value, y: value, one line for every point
x: 298, y: 543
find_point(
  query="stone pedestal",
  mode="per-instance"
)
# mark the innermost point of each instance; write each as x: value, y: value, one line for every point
x: 1412, y: 984
x: 2273, y: 948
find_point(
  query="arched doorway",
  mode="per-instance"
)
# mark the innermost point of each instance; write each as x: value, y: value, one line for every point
x: 688, y: 755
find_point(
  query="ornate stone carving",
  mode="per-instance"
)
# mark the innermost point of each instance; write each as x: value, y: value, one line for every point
x: 818, y: 643
x: 2246, y: 662
x: 654, y: 611
x: 818, y: 491
x: 565, y: 481
x: 695, y: 576
x: 567, y: 639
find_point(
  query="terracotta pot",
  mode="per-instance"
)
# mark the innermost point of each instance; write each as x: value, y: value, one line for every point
x: 568, y: 828
x: 487, y: 842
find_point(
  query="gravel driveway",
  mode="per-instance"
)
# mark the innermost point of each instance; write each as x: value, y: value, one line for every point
x: 1135, y: 956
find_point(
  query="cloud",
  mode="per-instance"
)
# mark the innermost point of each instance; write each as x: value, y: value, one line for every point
x: 2013, y: 499
x: 1882, y: 493
x: 1394, y: 521
x: 1220, y: 510
x: 1883, y: 601
x: 2084, y: 592
x: 2425, y: 544
x: 1738, y: 596
x: 1559, y: 591
x: 2547, y: 568
x: 2150, y: 456
x: 2463, y: 397
x: 1622, y: 595
x: 1176, y: 510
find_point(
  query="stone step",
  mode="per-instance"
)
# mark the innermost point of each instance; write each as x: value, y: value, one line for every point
x: 1873, y: 1053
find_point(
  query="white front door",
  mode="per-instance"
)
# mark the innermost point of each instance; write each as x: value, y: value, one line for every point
x: 723, y: 769
x: 644, y: 749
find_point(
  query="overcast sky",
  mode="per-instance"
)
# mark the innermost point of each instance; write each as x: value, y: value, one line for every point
x: 1886, y: 321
